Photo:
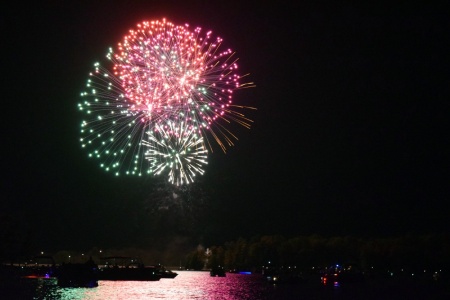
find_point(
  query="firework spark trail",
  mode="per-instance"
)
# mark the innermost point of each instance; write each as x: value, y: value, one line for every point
x: 113, y: 130
x: 167, y: 90
x: 178, y: 148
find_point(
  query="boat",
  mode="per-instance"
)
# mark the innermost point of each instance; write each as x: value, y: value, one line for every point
x: 285, y: 276
x: 338, y: 275
x: 127, y: 268
x: 39, y: 267
x: 217, y: 272
x: 165, y: 273
x: 78, y: 275
x: 277, y: 275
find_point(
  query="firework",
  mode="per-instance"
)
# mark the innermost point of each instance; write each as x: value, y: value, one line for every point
x: 165, y: 91
x: 113, y: 129
x: 177, y: 148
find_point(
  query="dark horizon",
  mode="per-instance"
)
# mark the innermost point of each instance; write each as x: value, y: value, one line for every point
x: 350, y: 135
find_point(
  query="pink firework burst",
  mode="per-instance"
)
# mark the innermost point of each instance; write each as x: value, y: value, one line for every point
x: 170, y: 72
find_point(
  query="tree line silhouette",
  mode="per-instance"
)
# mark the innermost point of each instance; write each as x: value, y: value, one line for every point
x: 424, y: 252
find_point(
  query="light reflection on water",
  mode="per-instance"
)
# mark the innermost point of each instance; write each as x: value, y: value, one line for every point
x: 187, y: 285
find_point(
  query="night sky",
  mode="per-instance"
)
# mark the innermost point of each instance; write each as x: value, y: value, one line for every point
x: 351, y: 135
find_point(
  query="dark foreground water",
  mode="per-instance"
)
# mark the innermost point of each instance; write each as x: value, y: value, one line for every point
x: 200, y: 285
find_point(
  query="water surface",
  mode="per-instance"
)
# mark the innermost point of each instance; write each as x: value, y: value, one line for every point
x: 200, y: 285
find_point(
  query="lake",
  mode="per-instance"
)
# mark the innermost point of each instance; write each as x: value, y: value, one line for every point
x: 200, y: 285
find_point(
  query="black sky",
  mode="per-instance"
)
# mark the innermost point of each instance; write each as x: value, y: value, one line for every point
x: 350, y: 136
